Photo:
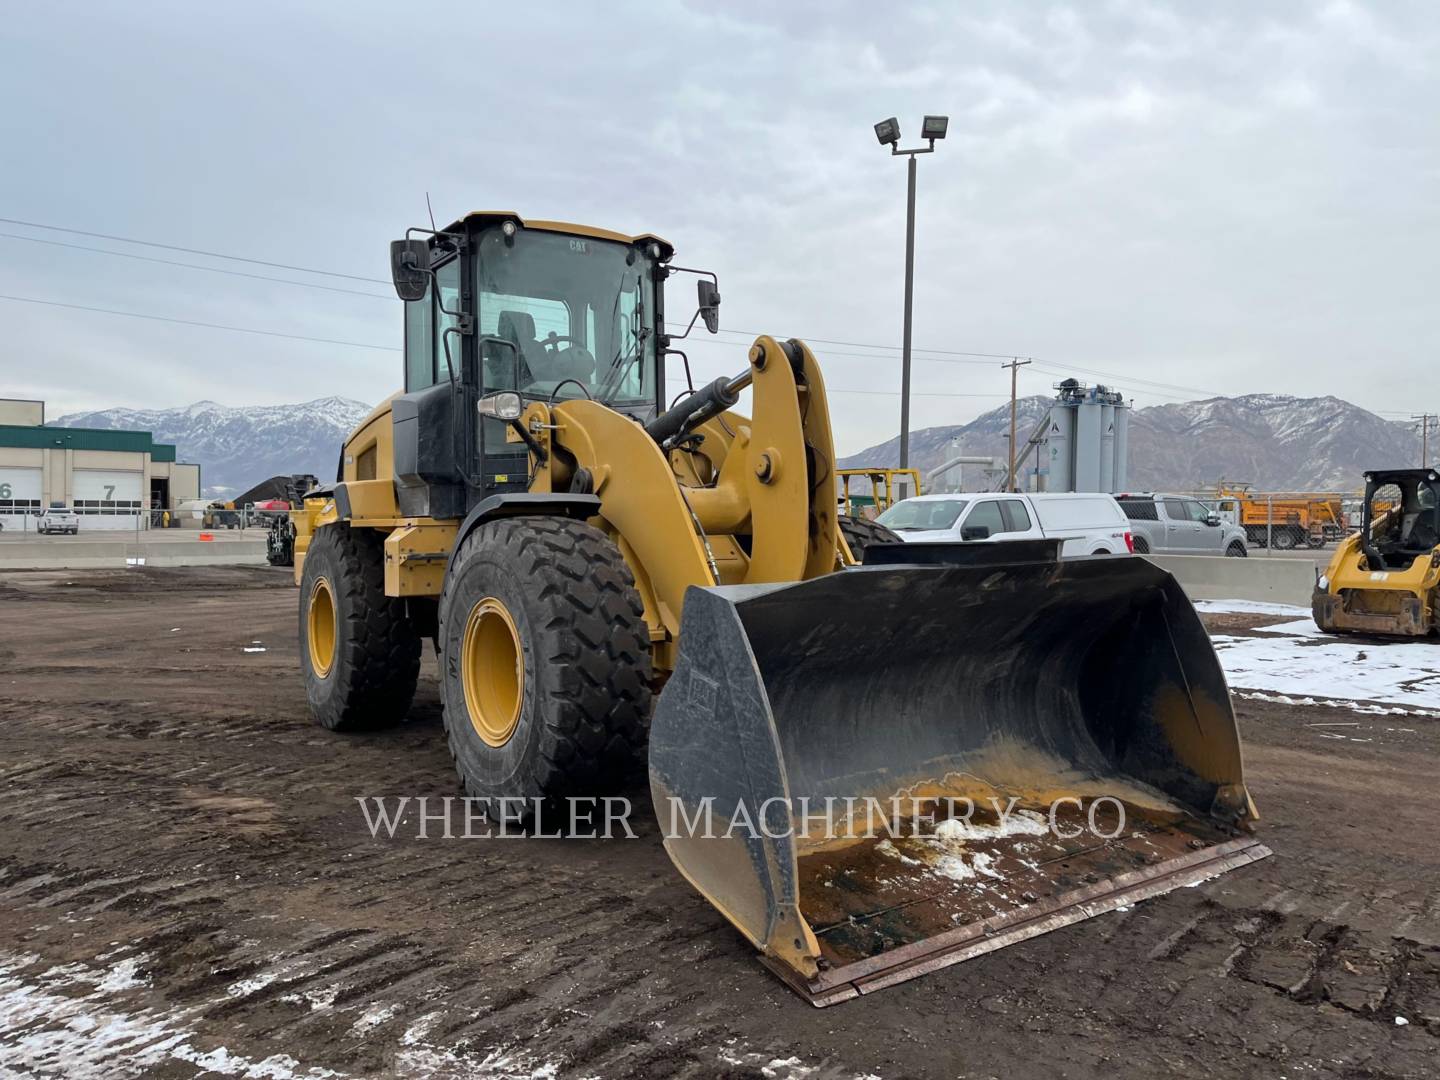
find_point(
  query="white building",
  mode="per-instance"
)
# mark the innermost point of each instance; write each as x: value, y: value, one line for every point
x: 113, y: 477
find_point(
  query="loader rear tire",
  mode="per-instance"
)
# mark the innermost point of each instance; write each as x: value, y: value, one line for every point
x: 544, y: 664
x: 860, y: 533
x: 359, y: 652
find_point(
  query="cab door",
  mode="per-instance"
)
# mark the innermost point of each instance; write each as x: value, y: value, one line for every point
x: 1182, y: 532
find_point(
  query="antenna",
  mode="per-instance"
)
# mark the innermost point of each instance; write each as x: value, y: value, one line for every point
x: 431, y: 212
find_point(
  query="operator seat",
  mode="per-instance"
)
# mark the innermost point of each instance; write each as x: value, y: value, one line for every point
x: 545, y: 365
x: 519, y: 327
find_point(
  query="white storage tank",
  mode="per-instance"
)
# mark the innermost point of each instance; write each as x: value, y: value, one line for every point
x: 1122, y: 447
x: 1060, y: 448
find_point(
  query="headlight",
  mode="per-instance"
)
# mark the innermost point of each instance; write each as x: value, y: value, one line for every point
x: 502, y: 406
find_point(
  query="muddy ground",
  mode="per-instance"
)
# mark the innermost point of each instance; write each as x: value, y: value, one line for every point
x: 188, y: 888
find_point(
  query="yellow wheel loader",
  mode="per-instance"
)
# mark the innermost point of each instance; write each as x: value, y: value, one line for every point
x: 574, y: 539
x: 1385, y: 578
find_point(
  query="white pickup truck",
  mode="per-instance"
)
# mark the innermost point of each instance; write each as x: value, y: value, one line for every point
x: 1089, y: 524
x: 57, y: 519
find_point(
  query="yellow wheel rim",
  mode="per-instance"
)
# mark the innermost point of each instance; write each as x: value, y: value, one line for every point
x: 320, y: 622
x: 492, y: 671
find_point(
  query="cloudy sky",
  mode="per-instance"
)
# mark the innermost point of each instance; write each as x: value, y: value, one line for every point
x: 1179, y: 199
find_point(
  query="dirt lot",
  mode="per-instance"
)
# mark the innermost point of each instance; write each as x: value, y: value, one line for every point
x: 187, y: 887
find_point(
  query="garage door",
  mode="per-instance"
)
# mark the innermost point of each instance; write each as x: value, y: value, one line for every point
x: 19, y: 495
x: 106, y: 499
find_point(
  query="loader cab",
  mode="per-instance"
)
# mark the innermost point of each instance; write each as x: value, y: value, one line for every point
x: 1400, y: 518
x: 546, y: 310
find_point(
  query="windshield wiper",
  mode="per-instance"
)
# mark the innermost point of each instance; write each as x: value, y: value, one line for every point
x: 619, y: 367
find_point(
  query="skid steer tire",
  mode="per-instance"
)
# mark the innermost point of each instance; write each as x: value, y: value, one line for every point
x: 364, y: 676
x: 544, y: 664
x: 860, y: 533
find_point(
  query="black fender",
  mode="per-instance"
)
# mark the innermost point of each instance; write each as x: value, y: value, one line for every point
x: 514, y: 504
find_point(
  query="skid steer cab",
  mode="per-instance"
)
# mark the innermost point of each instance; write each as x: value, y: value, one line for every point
x: 577, y: 527
x: 1385, y: 578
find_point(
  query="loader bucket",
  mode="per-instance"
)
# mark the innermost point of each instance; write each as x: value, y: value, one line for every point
x: 896, y: 767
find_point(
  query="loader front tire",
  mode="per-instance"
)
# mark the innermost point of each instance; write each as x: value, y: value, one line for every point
x: 544, y: 664
x: 358, y: 650
x: 860, y: 533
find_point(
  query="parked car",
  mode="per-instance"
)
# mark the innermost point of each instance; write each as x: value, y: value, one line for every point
x: 1089, y: 524
x: 1180, y: 525
x: 57, y: 519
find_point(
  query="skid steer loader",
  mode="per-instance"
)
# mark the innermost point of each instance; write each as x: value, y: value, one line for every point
x: 572, y: 545
x: 1385, y: 578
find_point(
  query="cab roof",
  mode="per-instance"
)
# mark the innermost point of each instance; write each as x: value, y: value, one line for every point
x: 481, y: 218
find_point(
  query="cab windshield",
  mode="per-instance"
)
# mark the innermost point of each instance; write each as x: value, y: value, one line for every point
x: 580, y: 311
x: 915, y: 515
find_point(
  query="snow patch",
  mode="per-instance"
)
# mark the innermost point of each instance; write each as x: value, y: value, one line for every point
x: 1247, y: 607
x: 1405, y: 674
x: 47, y: 1028
x: 1369, y: 708
x: 1015, y: 823
x: 889, y: 850
x: 373, y: 1017
x: 953, y: 867
x: 503, y: 1064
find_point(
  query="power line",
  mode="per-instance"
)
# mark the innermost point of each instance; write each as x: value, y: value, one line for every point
x: 1048, y: 368
x: 192, y: 266
x: 1424, y: 420
x: 829, y: 352
x: 882, y: 393
x: 357, y: 277
x: 866, y: 345
x: 356, y: 344
x: 192, y: 251
x: 207, y: 325
x: 935, y: 355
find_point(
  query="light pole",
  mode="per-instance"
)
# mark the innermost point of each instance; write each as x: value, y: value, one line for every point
x: 888, y: 132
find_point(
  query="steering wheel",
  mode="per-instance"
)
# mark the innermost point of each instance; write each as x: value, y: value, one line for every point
x: 552, y: 340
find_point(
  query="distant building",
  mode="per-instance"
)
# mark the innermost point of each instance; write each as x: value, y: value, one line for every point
x: 116, y: 476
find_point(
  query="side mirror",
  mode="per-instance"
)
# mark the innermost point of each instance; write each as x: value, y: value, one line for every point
x: 1212, y: 519
x: 708, y: 294
x: 975, y: 532
x: 410, y: 268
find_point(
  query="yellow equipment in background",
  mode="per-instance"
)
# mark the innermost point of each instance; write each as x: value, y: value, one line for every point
x: 1385, y: 578
x: 887, y: 487
x: 573, y: 546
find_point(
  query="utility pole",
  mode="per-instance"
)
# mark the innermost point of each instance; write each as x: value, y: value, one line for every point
x: 1425, y: 421
x: 1014, y: 366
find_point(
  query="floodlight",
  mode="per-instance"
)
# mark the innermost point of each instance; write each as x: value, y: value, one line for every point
x: 888, y: 132
x: 934, y: 127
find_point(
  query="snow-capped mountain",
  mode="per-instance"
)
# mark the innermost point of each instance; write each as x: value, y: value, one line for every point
x: 1269, y: 440
x: 1272, y: 441
x: 237, y: 447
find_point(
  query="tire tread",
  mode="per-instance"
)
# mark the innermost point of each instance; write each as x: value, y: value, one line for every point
x: 594, y: 698
x: 377, y: 659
